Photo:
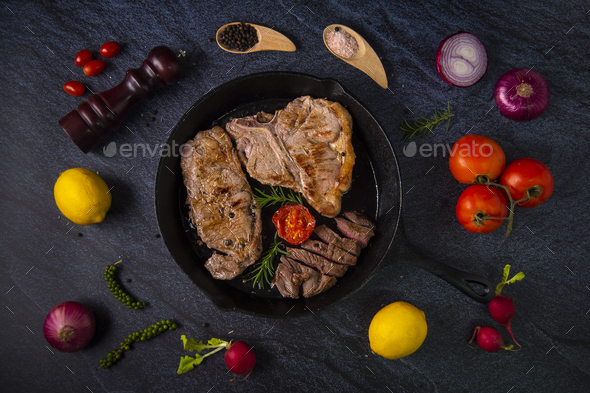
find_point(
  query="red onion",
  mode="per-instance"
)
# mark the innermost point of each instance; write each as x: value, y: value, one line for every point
x: 461, y: 60
x: 69, y: 326
x: 522, y: 94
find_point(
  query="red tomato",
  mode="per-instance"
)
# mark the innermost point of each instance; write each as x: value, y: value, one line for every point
x: 94, y: 67
x: 527, y: 174
x: 83, y: 57
x: 476, y: 155
x: 294, y: 223
x: 74, y: 88
x: 110, y: 49
x: 477, y: 202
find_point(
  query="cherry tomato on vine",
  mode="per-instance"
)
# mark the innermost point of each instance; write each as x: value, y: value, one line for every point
x: 476, y: 156
x: 74, y: 88
x: 83, y: 57
x: 110, y: 49
x: 94, y: 67
x: 527, y: 174
x: 294, y: 223
x: 478, y: 202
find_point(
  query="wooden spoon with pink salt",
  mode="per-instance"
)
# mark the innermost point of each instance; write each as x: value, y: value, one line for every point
x: 350, y: 47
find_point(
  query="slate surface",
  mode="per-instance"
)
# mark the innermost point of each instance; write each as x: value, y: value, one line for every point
x: 45, y: 263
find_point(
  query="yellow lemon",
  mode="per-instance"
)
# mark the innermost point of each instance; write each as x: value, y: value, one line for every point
x: 397, y: 330
x: 82, y: 196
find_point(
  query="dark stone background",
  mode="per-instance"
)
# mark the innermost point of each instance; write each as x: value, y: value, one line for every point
x: 326, y: 351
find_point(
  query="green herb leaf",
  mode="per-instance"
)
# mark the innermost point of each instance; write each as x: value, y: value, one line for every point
x: 424, y: 126
x: 216, y: 342
x: 505, y: 281
x: 187, y: 363
x: 277, y: 195
x: 192, y: 344
x: 265, y: 269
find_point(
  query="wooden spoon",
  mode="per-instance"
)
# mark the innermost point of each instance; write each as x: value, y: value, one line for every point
x: 268, y: 39
x: 365, y: 59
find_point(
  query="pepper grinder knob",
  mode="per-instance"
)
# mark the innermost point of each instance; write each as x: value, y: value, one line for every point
x: 104, y: 112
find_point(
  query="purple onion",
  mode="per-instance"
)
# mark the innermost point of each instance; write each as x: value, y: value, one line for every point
x: 522, y: 94
x: 69, y: 326
x: 461, y: 60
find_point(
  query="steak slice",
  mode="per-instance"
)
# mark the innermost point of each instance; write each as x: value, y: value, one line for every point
x: 355, y: 231
x: 221, y: 205
x: 329, y: 251
x: 306, y: 147
x: 329, y: 236
x: 291, y: 276
x: 324, y: 265
x: 315, y: 287
x: 360, y: 219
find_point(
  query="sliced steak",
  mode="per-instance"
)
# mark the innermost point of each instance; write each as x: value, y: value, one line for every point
x: 221, y: 205
x: 355, y: 231
x: 291, y: 276
x: 315, y: 287
x: 324, y: 265
x: 306, y: 147
x: 329, y: 236
x: 329, y: 251
x: 361, y: 219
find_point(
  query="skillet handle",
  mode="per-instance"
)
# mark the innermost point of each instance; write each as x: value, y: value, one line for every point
x: 459, y: 279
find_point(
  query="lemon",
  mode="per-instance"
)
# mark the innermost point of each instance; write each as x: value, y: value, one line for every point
x: 397, y: 330
x: 82, y: 196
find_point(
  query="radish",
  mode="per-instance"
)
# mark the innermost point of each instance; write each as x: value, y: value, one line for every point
x: 502, y: 307
x: 489, y: 339
x: 240, y: 358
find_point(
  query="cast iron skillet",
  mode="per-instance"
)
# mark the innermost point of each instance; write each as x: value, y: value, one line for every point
x: 376, y: 189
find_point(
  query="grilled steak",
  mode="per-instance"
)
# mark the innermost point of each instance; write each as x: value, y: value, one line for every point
x: 316, y: 261
x: 306, y: 147
x: 291, y: 276
x: 221, y: 204
x: 360, y: 219
x: 354, y: 231
x: 329, y: 236
x: 329, y: 251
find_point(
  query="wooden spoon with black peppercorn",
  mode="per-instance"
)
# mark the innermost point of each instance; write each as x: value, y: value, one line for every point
x: 245, y: 38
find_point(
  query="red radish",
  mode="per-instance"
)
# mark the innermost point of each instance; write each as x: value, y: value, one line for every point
x: 240, y: 358
x: 501, y: 307
x: 489, y: 339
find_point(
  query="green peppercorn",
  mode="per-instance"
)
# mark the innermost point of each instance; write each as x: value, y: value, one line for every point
x: 118, y: 291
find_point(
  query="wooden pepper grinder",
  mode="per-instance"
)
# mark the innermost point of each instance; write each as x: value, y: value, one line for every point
x: 105, y: 112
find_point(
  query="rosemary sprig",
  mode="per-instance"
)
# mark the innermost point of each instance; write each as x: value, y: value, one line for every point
x: 265, y: 270
x: 424, y: 126
x: 264, y: 200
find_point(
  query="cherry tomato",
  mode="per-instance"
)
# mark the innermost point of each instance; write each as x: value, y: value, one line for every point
x: 476, y: 155
x: 74, y: 88
x: 527, y: 174
x: 294, y: 223
x: 110, y: 49
x: 83, y: 57
x: 479, y: 201
x: 94, y: 67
